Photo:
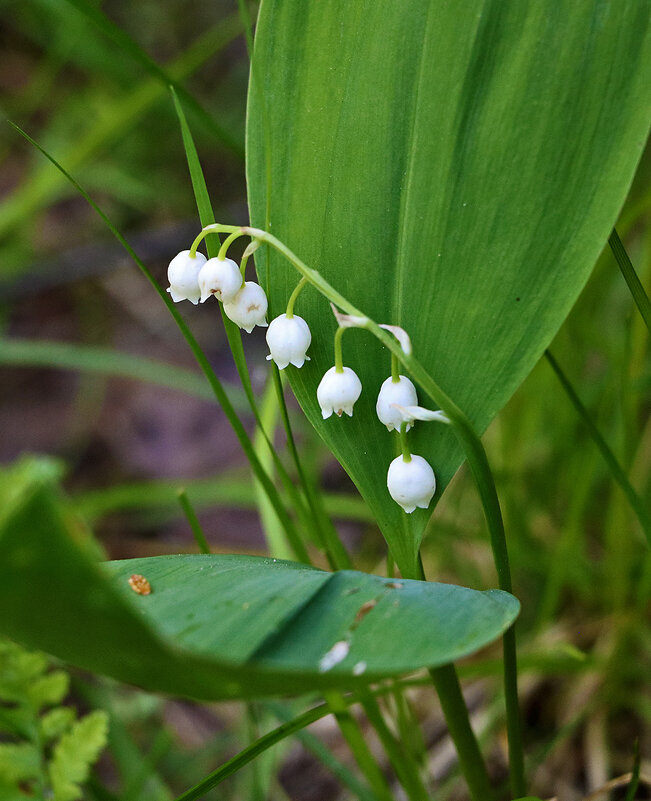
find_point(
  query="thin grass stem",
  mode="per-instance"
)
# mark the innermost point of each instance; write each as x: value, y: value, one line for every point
x: 193, y: 520
x: 355, y: 739
x: 333, y: 547
x: 401, y: 759
x: 631, y: 277
x: 616, y: 470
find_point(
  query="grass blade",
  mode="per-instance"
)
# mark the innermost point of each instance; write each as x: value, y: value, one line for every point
x: 635, y: 775
x: 193, y: 521
x: 233, y: 333
x: 273, y: 532
x: 204, y: 364
x: 614, y: 466
x: 225, y: 489
x: 252, y: 751
x: 631, y: 277
x: 313, y: 744
x: 332, y: 545
x: 92, y: 359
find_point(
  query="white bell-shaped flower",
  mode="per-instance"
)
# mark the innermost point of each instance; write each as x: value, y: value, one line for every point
x: 412, y: 483
x: 288, y: 339
x: 183, y: 275
x: 401, y: 392
x: 249, y: 307
x: 221, y: 278
x: 337, y: 392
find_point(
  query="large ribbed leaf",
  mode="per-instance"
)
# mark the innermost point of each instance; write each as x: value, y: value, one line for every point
x: 220, y: 626
x: 452, y: 167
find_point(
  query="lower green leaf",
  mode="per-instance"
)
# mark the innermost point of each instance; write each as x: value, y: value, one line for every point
x: 217, y: 627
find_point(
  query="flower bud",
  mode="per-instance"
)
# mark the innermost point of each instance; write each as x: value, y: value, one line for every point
x: 288, y: 339
x: 337, y: 392
x: 401, y: 392
x: 221, y: 278
x: 248, y: 307
x: 412, y: 483
x: 183, y: 275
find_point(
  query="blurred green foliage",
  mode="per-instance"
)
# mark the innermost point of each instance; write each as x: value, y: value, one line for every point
x: 577, y: 555
x: 47, y: 750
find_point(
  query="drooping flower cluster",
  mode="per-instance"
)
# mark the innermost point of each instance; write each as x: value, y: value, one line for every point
x: 410, y: 479
x: 193, y: 277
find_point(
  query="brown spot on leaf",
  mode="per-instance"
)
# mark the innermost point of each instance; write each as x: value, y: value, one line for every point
x: 364, y: 610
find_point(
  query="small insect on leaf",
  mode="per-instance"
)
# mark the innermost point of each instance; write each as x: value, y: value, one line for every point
x: 139, y: 584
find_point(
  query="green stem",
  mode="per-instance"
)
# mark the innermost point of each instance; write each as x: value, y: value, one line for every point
x: 357, y: 744
x: 198, y: 240
x: 193, y: 520
x: 226, y: 244
x: 401, y: 759
x: 277, y: 543
x: 249, y: 251
x: 479, y: 467
x: 617, y: 471
x: 448, y: 689
x: 292, y: 298
x: 395, y: 369
x: 252, y: 751
x: 339, y: 357
x: 631, y: 277
x: 334, y: 549
x: 456, y: 715
x: 406, y: 453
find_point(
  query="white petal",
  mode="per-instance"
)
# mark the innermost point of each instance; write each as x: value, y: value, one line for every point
x: 420, y: 413
x: 401, y: 335
x: 348, y: 320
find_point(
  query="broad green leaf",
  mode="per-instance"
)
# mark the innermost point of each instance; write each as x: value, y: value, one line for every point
x: 454, y: 168
x: 224, y: 626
